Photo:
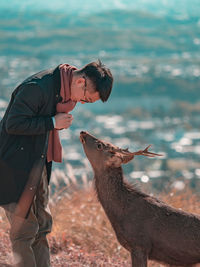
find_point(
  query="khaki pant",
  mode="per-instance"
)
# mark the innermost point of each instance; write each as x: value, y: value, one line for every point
x: 28, y: 236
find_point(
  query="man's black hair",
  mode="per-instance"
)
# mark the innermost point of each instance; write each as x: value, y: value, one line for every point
x: 100, y: 76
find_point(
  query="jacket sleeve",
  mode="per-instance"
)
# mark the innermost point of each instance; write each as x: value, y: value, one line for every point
x: 24, y: 117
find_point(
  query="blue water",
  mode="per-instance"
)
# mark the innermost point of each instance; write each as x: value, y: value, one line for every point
x: 170, y: 7
x: 152, y: 48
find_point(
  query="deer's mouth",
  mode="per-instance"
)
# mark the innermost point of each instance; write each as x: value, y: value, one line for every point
x: 82, y: 139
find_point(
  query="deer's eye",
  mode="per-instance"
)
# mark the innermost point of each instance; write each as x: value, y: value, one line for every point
x: 99, y: 146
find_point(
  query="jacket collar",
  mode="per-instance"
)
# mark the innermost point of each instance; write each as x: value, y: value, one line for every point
x: 57, y: 82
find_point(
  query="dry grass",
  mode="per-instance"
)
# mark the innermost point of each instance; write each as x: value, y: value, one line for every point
x: 81, y: 221
x: 82, y: 234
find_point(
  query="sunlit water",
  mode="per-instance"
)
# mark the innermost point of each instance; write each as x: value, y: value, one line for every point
x: 155, y: 99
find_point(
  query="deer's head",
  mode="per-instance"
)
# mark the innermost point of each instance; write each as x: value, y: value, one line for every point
x: 103, y: 155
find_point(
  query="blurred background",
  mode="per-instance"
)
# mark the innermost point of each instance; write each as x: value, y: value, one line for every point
x: 152, y: 48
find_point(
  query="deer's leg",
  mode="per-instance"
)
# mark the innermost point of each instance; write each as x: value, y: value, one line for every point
x: 139, y: 258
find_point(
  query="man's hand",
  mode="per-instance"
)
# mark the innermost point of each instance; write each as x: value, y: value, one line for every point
x: 63, y: 120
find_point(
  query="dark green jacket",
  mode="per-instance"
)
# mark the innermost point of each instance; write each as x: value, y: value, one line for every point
x: 24, y: 132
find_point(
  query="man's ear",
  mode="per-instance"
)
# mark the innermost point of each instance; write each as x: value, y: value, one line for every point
x: 80, y: 81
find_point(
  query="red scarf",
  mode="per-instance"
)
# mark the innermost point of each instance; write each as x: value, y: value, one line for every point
x: 54, y: 151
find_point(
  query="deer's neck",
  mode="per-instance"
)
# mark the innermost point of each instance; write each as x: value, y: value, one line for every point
x: 112, y: 191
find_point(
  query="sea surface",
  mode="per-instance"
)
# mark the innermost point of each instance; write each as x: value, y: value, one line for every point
x: 153, y: 51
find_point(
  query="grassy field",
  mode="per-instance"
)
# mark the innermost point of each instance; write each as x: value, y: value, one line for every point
x: 82, y: 234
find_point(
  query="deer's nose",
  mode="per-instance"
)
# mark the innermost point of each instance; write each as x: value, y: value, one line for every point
x: 83, y: 133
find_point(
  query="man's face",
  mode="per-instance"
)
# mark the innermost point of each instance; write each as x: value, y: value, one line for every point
x: 83, y: 91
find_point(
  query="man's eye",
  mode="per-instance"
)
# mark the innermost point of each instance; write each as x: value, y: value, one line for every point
x: 99, y: 146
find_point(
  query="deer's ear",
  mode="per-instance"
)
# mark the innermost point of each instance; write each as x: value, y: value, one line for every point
x: 114, y: 160
x: 117, y: 159
x: 126, y: 158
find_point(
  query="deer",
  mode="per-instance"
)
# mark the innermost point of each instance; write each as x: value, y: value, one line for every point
x: 144, y: 225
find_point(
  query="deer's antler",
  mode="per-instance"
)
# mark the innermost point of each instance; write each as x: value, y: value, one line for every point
x: 146, y: 153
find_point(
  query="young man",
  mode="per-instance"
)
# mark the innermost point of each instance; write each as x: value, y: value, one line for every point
x: 29, y: 142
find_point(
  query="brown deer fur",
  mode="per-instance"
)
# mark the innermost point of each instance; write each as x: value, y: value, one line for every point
x: 145, y: 226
